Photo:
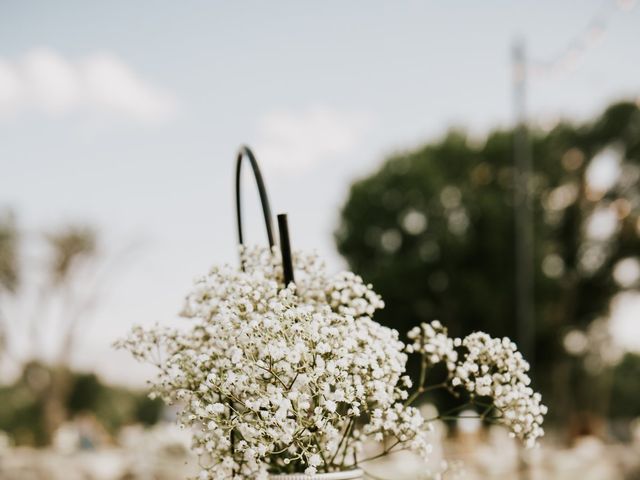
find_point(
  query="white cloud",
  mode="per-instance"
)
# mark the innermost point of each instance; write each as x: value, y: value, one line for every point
x: 10, y: 87
x: 43, y: 80
x: 300, y: 140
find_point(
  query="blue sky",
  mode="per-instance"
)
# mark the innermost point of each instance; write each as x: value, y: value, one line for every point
x: 127, y: 114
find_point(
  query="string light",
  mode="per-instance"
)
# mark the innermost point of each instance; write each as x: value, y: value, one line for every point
x: 578, y: 46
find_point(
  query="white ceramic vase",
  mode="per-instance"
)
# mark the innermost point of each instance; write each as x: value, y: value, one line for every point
x: 345, y: 475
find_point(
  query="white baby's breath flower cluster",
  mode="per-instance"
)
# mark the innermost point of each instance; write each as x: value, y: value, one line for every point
x: 485, y: 367
x: 493, y: 367
x: 432, y: 340
x: 275, y: 379
x: 283, y: 379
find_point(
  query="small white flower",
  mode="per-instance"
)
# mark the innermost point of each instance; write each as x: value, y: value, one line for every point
x: 330, y: 406
x: 267, y: 375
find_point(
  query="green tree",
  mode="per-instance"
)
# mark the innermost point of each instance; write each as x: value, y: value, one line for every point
x: 433, y: 230
x: 9, y: 272
x: 8, y: 253
x: 48, y: 299
x: 24, y: 404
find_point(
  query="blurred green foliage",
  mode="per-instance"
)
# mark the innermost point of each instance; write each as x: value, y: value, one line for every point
x: 61, y: 288
x: 22, y: 405
x: 626, y: 386
x: 69, y: 246
x: 433, y: 230
x: 8, y: 253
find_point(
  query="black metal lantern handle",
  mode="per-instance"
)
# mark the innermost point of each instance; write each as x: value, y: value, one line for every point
x: 285, y: 247
x: 264, y: 199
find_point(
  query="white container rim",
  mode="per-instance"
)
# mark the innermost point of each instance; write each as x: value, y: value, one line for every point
x: 343, y: 475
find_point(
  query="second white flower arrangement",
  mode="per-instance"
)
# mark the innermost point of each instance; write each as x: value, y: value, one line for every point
x: 276, y: 379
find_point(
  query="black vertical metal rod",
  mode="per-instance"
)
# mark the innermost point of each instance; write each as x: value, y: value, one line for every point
x: 285, y: 248
x: 264, y: 199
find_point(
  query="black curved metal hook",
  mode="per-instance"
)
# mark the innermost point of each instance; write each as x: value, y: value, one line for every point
x: 264, y: 200
x: 285, y: 247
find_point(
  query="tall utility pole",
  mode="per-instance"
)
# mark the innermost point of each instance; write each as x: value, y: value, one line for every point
x: 523, y: 209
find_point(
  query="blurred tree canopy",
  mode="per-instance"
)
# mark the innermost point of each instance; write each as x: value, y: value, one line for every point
x: 23, y: 404
x: 433, y: 230
x: 47, y: 301
x: 8, y: 253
